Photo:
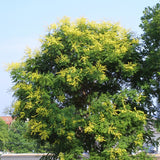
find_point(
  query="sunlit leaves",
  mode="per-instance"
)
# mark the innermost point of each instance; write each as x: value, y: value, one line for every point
x: 72, y: 89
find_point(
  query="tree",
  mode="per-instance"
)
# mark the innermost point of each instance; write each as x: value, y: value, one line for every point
x: 150, y: 73
x: 3, y: 134
x: 151, y: 51
x: 78, y: 91
x: 19, y: 142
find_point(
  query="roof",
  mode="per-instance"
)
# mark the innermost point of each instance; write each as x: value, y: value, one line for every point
x: 7, y: 119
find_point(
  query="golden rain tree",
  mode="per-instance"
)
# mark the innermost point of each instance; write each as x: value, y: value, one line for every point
x: 76, y: 90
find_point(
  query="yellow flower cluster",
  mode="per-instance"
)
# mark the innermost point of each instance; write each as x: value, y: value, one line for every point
x: 62, y: 59
x: 100, y: 138
x: 34, y: 76
x: 28, y: 105
x: 139, y: 140
x: 44, y: 134
x: 70, y: 136
x: 39, y: 127
x: 116, y: 152
x: 23, y: 86
x: 100, y: 67
x: 89, y: 128
x: 71, y: 78
x: 61, y: 98
x: 129, y: 66
x: 15, y: 65
x: 42, y: 111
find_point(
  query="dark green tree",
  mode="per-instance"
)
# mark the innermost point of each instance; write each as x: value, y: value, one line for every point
x: 78, y: 90
x: 151, y: 51
x: 3, y: 134
x: 150, y: 73
x: 18, y: 143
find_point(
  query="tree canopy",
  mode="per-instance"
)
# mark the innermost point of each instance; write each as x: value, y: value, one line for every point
x: 82, y: 90
x: 151, y: 50
x: 3, y: 134
x: 20, y: 142
x: 17, y: 142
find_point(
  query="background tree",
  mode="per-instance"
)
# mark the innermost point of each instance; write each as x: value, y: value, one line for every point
x: 149, y: 76
x: 19, y: 142
x: 78, y: 91
x: 3, y: 134
x: 151, y: 51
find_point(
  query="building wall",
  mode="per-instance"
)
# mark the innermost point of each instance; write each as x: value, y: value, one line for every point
x: 21, y: 156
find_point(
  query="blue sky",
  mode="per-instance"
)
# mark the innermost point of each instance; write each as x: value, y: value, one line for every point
x: 24, y: 21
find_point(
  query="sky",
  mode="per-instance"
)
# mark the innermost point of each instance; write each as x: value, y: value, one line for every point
x: 23, y: 22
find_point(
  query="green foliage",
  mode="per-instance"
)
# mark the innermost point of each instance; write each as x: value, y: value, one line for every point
x: 19, y: 142
x: 78, y: 91
x: 151, y: 51
x: 151, y: 27
x: 149, y: 75
x: 3, y: 135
